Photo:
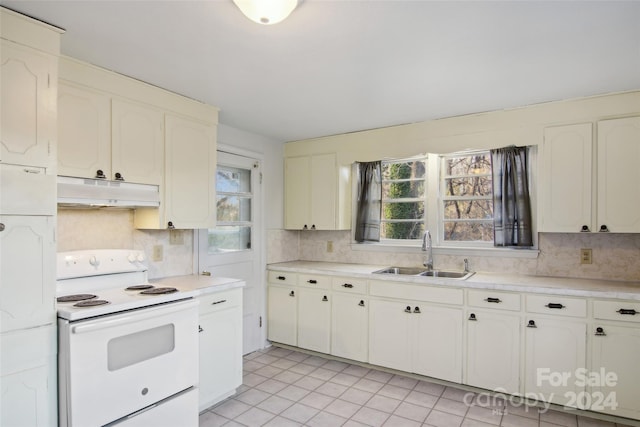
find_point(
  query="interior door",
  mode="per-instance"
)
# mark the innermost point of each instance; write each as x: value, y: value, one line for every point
x: 233, y: 247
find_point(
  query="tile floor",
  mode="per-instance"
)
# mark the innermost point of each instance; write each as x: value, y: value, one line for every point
x: 288, y: 388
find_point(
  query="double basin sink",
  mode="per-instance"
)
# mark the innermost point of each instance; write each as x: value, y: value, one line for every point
x: 418, y: 271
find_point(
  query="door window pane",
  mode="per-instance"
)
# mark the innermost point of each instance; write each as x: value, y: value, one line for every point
x: 233, y: 208
x: 229, y: 238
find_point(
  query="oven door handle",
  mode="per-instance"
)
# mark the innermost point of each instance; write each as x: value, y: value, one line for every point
x: 135, y: 316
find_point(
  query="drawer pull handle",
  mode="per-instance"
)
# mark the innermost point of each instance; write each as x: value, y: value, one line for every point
x: 531, y: 324
x: 219, y: 302
x: 312, y: 281
x: 600, y: 332
x: 416, y: 310
x: 473, y: 317
x: 361, y: 303
x: 554, y: 305
x: 347, y: 285
x: 407, y: 310
x: 630, y: 312
x: 281, y: 278
x: 292, y: 294
x: 495, y: 300
x: 325, y: 299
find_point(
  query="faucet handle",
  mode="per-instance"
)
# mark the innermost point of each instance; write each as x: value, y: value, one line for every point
x: 466, y: 265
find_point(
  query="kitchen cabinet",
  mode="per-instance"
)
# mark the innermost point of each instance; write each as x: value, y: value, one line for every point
x: 390, y: 334
x: 189, y: 181
x: 571, y: 201
x: 314, y: 319
x: 350, y: 319
x: 316, y: 193
x: 220, y: 329
x: 100, y: 136
x: 493, y: 350
x: 28, y: 78
x: 282, y: 314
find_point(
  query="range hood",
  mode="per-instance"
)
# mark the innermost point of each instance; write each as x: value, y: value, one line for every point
x: 87, y: 192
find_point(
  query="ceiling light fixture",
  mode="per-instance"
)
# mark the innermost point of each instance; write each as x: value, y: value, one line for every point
x: 266, y: 12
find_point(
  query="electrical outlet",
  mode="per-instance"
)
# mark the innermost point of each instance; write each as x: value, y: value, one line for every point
x: 158, y: 253
x: 585, y: 256
x: 176, y: 237
x: 329, y: 245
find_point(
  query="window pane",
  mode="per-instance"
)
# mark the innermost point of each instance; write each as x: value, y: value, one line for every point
x: 467, y: 165
x: 233, y: 208
x: 403, y: 210
x: 229, y: 239
x: 396, y: 190
x: 468, y: 231
x: 468, y: 209
x: 402, y: 230
x: 468, y: 186
x: 403, y: 170
x: 233, y: 180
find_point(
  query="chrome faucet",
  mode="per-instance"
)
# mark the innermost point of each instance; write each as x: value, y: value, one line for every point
x: 427, y: 247
x: 466, y: 265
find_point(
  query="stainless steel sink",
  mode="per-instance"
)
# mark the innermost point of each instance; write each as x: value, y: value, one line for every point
x: 419, y: 271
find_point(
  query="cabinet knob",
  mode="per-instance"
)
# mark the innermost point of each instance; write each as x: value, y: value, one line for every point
x: 417, y: 310
x: 325, y: 299
x: 200, y: 328
x: 305, y: 227
x: 600, y: 332
x: 604, y: 229
x: 493, y: 300
x: 347, y: 285
x: 361, y: 303
x: 170, y: 225
x: 531, y: 324
x: 313, y: 226
x: 119, y: 176
x: 407, y: 310
x: 555, y: 305
x: 585, y: 229
x: 281, y: 278
x: 627, y: 311
x: 312, y: 281
x: 100, y: 174
x: 1, y: 226
x: 292, y: 294
x: 473, y: 317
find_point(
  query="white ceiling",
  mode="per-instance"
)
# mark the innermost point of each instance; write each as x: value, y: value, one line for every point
x: 342, y: 66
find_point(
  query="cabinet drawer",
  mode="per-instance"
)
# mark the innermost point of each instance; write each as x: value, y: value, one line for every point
x: 416, y: 292
x: 625, y: 311
x: 552, y: 304
x: 314, y: 281
x: 494, y: 299
x: 349, y: 284
x: 220, y: 301
x: 282, y: 277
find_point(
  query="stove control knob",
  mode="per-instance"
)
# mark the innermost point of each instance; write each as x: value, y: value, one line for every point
x: 94, y: 261
x: 140, y: 258
x: 131, y: 258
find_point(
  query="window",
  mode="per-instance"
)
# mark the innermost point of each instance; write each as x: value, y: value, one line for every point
x: 403, y: 199
x: 467, y: 198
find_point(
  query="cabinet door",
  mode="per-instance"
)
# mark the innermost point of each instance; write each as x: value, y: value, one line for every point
x: 390, y: 334
x: 27, y: 282
x: 565, y: 179
x: 314, y: 320
x: 438, y: 342
x: 220, y: 354
x: 137, y: 145
x: 282, y: 314
x: 614, y: 353
x: 27, y: 106
x: 297, y: 193
x: 555, y: 347
x: 190, y: 173
x: 84, y: 132
x: 493, y: 351
x: 618, y: 175
x: 349, y: 326
x: 323, y: 192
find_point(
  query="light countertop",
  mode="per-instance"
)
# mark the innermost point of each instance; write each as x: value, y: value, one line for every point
x: 203, y: 285
x: 598, y: 288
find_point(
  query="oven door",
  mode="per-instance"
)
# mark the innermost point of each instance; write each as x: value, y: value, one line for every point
x: 112, y: 366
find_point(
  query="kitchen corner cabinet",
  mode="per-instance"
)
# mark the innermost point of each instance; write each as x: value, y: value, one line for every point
x: 220, y: 329
x: 189, y: 182
x: 571, y: 201
x: 315, y: 193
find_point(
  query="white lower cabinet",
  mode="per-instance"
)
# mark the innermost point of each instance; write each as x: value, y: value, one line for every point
x: 314, y: 319
x: 555, y: 354
x: 493, y: 350
x: 350, y: 326
x: 416, y: 337
x: 282, y: 314
x: 220, y: 346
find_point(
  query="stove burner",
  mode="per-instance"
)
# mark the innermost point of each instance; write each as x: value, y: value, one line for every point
x: 138, y: 287
x: 76, y: 297
x: 91, y: 303
x: 159, y: 291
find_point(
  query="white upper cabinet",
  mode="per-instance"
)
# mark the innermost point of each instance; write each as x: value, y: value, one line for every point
x: 315, y: 193
x: 28, y: 112
x: 590, y: 186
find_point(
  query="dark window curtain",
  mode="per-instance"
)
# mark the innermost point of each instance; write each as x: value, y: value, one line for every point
x: 369, y: 208
x: 511, y: 202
